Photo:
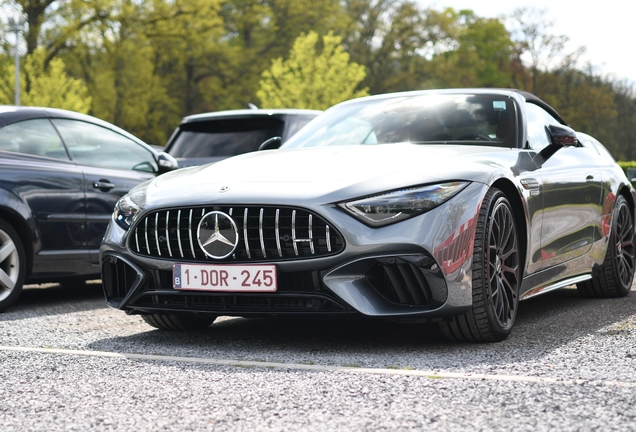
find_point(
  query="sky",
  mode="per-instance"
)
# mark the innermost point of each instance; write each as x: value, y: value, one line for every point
x: 606, y: 28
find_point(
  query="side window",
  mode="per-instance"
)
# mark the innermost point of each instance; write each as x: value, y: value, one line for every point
x: 94, y: 145
x: 296, y: 123
x: 538, y: 119
x: 35, y: 137
x: 596, y: 146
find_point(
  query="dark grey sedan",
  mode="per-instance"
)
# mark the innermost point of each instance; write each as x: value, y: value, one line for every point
x: 61, y: 174
x: 448, y: 206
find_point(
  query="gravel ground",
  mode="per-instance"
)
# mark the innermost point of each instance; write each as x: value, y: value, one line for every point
x: 558, y: 338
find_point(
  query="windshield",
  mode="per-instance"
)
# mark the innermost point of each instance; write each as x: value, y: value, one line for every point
x: 422, y: 119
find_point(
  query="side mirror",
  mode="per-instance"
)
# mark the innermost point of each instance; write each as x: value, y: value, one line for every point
x: 562, y: 136
x: 631, y: 174
x: 271, y: 144
x: 166, y: 162
x: 559, y: 136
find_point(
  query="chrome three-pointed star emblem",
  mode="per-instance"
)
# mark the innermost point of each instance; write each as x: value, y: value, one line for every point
x: 217, y: 235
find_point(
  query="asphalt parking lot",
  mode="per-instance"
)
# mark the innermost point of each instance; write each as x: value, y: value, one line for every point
x: 68, y: 362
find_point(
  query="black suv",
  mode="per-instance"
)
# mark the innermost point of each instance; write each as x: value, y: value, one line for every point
x: 61, y: 174
x: 210, y: 137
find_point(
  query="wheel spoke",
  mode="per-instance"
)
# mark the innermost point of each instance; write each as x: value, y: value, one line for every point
x: 504, y: 309
x: 6, y: 250
x: 508, y: 233
x: 509, y: 253
x: 623, y: 222
x: 498, y: 302
x: 625, y: 269
x: 6, y: 283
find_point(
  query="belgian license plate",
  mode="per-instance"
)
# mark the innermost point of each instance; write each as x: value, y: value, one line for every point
x: 235, y: 278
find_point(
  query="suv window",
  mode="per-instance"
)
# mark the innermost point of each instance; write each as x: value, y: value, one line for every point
x: 35, y: 137
x: 223, y: 137
x: 95, y: 145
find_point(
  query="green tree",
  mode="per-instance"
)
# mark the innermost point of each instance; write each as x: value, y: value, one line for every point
x: 387, y: 37
x: 475, y: 52
x: 311, y: 80
x: 50, y: 86
x: 256, y: 32
x: 538, y: 48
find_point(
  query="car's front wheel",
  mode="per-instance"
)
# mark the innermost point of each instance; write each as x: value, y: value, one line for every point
x: 179, y: 322
x: 496, y: 276
x: 12, y: 265
x: 615, y: 276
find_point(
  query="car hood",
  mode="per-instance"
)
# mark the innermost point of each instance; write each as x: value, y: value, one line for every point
x: 326, y: 174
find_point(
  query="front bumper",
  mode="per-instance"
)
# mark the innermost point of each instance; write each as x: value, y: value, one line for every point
x: 418, y: 268
x: 396, y: 285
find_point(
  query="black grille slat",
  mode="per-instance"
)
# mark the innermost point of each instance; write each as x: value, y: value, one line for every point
x: 242, y: 304
x: 412, y: 284
x: 271, y: 234
x: 401, y: 283
x: 118, y: 278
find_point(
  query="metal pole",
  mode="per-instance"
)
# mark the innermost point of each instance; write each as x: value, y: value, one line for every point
x: 17, y: 72
x: 15, y: 26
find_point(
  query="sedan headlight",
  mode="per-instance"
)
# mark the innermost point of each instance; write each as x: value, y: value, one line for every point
x: 129, y: 206
x: 391, y: 207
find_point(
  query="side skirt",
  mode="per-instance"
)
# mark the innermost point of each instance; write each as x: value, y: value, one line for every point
x: 561, y: 284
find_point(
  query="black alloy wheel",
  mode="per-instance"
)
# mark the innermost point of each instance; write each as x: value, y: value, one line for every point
x: 615, y: 276
x: 496, y: 276
x: 503, y: 264
x: 623, y: 245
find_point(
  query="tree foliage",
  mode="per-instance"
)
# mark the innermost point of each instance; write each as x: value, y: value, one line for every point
x: 311, y: 80
x: 49, y: 86
x: 147, y: 63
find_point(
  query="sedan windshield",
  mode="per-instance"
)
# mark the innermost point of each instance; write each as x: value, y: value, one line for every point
x: 420, y: 119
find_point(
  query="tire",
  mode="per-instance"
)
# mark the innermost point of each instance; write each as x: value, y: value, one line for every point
x: 178, y: 322
x: 496, y: 275
x: 12, y: 265
x: 615, y: 276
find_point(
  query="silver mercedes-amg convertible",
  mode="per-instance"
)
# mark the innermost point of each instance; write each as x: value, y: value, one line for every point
x: 446, y: 205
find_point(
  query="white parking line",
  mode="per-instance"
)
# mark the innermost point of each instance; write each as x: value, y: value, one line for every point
x: 319, y: 368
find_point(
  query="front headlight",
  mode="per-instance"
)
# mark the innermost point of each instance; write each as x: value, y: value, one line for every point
x: 130, y: 205
x: 391, y: 207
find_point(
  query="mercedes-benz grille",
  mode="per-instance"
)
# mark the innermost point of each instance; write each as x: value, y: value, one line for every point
x: 265, y: 234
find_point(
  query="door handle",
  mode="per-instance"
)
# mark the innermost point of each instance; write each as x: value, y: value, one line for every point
x: 103, y: 185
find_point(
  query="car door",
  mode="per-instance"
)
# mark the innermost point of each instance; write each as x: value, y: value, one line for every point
x: 37, y: 169
x: 571, y: 191
x: 111, y: 163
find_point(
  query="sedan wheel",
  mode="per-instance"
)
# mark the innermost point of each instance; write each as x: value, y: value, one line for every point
x: 12, y: 265
x: 614, y: 278
x: 496, y: 276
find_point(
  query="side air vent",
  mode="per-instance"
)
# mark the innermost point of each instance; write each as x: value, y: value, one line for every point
x: 118, y: 279
x: 401, y: 283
